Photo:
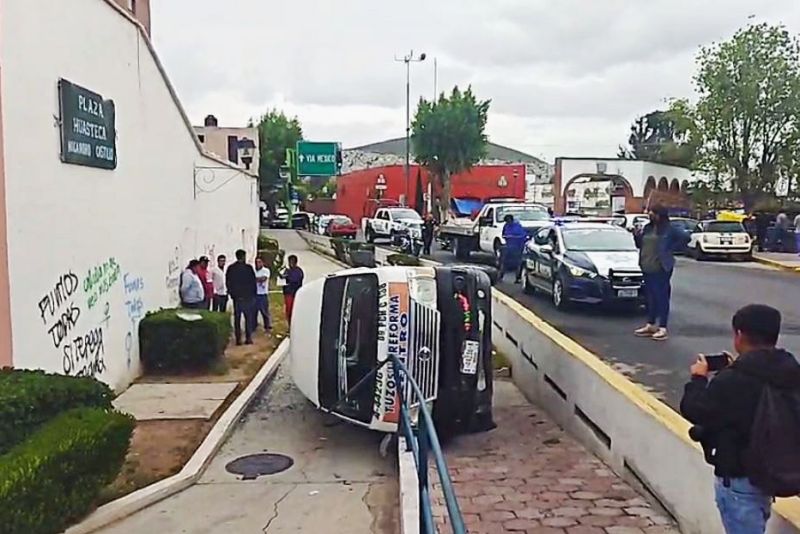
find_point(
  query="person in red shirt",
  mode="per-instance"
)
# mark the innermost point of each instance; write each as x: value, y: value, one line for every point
x: 207, y: 280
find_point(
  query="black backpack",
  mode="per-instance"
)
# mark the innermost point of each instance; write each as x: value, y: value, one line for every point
x: 772, y: 458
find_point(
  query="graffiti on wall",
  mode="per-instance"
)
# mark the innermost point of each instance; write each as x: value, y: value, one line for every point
x: 174, y: 268
x: 84, y: 356
x: 82, y: 350
x: 134, y: 307
x: 99, y: 280
x: 57, y: 308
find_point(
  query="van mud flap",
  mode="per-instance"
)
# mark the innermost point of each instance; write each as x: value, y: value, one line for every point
x: 464, y: 401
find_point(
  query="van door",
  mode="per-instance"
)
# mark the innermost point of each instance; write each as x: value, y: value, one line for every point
x: 486, y: 234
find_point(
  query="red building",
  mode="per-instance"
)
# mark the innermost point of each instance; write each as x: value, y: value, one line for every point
x: 358, y: 192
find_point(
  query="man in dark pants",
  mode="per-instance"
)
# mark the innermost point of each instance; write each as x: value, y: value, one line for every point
x: 428, y: 228
x: 241, y: 281
x: 724, y: 410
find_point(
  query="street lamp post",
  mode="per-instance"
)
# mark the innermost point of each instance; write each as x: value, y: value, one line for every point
x: 408, y: 59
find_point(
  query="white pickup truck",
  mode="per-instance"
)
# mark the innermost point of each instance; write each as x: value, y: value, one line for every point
x: 389, y: 222
x: 485, y: 233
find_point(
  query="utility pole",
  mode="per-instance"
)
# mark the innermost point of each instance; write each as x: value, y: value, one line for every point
x: 435, y: 79
x: 408, y: 60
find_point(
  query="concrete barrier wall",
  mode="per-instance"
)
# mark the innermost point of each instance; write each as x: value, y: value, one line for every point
x: 637, y: 435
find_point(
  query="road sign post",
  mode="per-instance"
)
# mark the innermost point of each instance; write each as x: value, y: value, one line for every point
x: 318, y: 159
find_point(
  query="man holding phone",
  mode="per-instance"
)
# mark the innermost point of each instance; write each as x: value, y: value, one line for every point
x: 725, y: 408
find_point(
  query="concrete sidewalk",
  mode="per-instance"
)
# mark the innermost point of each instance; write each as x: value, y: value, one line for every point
x: 337, y: 482
x: 786, y: 261
x: 528, y: 475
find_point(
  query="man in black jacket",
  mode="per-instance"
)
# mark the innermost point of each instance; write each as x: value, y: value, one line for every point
x: 241, y: 281
x: 723, y: 410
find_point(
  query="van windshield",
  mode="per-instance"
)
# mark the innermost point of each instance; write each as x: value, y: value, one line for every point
x: 349, y: 343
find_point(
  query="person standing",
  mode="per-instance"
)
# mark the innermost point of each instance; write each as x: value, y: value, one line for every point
x: 782, y: 229
x: 658, y: 241
x: 220, y: 301
x: 191, y: 288
x: 511, y: 256
x: 241, y: 282
x: 729, y: 415
x: 797, y: 234
x: 205, y: 277
x: 262, y: 296
x: 294, y: 281
x: 428, y: 230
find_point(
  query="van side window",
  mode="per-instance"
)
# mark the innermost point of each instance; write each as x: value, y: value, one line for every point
x: 490, y: 214
x: 542, y: 236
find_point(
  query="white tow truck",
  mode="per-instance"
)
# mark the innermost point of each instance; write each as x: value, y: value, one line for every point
x: 389, y: 223
x: 485, y: 232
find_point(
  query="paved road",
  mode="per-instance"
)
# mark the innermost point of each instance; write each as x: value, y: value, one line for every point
x: 705, y: 296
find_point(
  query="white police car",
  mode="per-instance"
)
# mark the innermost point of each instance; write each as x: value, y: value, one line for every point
x: 591, y: 263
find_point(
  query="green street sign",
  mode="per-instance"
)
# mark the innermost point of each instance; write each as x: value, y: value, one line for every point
x: 88, y: 127
x: 317, y: 159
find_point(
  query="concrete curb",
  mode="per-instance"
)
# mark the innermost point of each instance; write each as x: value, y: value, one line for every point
x: 409, y: 489
x: 197, y: 464
x: 777, y: 264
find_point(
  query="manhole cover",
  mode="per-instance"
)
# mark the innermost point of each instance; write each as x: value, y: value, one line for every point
x: 256, y: 465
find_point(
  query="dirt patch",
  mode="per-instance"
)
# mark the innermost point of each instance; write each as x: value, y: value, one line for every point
x: 381, y: 500
x: 160, y: 449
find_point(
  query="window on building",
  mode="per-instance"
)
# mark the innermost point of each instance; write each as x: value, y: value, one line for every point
x: 202, y: 138
x: 233, y: 149
x: 132, y: 5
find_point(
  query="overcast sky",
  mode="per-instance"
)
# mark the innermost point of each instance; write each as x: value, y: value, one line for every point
x: 565, y: 77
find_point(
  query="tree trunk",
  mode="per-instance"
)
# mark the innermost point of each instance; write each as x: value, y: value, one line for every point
x: 444, y: 199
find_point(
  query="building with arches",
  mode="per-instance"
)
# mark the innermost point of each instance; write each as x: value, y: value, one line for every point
x: 635, y: 184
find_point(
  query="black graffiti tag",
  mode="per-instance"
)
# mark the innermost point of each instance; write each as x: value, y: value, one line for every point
x: 65, y: 323
x: 85, y: 355
x: 66, y: 285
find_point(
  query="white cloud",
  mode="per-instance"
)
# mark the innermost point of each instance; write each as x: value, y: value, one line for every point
x: 566, y: 77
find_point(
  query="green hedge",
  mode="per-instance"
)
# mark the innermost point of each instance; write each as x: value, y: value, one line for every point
x: 52, y: 479
x: 406, y: 260
x: 353, y: 253
x: 267, y: 243
x: 171, y: 344
x: 30, y: 398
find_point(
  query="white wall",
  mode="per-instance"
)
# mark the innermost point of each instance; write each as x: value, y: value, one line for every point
x: 142, y: 220
x: 636, y: 172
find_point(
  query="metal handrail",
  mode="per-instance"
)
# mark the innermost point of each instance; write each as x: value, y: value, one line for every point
x: 423, y: 440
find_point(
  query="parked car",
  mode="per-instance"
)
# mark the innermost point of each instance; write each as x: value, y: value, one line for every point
x: 280, y: 219
x: 389, y: 222
x: 591, y: 263
x: 631, y: 221
x: 322, y: 223
x: 720, y: 239
x: 341, y: 226
x: 685, y: 224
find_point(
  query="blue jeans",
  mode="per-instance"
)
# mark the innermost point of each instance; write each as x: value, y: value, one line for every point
x: 658, y: 291
x: 243, y: 308
x: 262, y: 309
x: 744, y: 508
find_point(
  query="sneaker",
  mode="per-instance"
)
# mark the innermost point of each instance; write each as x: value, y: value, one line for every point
x: 646, y: 331
x: 661, y: 335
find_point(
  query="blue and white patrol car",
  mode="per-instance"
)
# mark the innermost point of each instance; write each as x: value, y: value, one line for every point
x: 591, y: 263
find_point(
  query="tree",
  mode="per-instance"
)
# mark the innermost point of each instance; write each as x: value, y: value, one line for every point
x: 746, y: 117
x: 276, y: 133
x: 660, y: 137
x: 449, y: 137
